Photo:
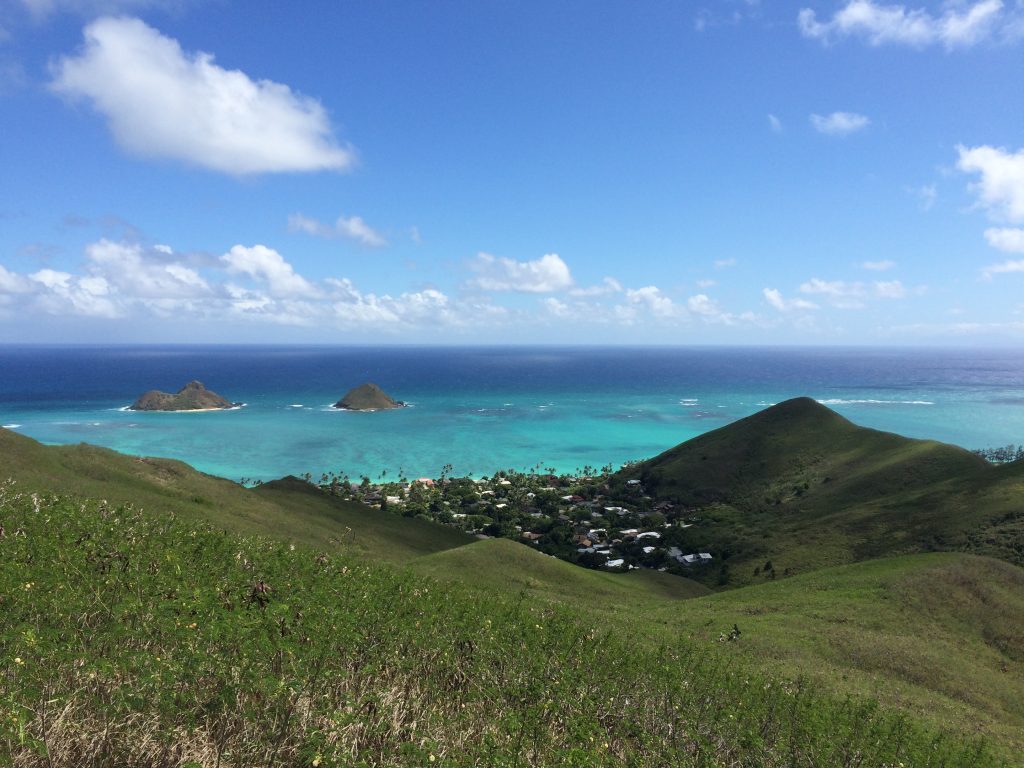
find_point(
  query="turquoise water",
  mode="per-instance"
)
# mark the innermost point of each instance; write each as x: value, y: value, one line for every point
x: 482, y: 409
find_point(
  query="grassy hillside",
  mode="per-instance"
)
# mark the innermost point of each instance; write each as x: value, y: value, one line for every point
x: 500, y: 565
x: 940, y: 636
x: 800, y: 486
x: 287, y: 509
x: 129, y: 638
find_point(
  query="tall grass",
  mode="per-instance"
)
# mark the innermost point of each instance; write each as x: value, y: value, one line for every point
x: 132, y: 639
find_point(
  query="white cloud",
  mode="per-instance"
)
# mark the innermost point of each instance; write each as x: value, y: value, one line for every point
x: 1007, y: 239
x: 960, y: 26
x: 725, y: 263
x: 776, y: 300
x: 144, y: 275
x: 163, y: 102
x: 651, y: 298
x: 556, y: 307
x: 12, y: 282
x: 267, y: 265
x: 62, y: 292
x: 1001, y: 186
x: 1004, y: 268
x: 544, y: 275
x: 607, y: 286
x: 352, y: 227
x: 707, y: 283
x: 878, y: 266
x: 846, y: 295
x: 774, y: 123
x: 839, y: 123
x: 889, y: 289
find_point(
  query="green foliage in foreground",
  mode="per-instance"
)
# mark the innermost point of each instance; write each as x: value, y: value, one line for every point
x: 132, y: 639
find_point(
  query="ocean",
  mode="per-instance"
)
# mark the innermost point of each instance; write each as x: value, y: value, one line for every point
x: 483, y: 409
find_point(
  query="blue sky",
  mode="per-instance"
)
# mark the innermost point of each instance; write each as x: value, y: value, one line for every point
x: 733, y: 172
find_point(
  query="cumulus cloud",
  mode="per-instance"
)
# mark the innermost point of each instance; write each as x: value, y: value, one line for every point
x: 139, y: 273
x: 352, y: 228
x: 267, y: 266
x: 1000, y: 188
x: 775, y: 298
x: 11, y: 282
x: 960, y: 26
x: 161, y: 101
x: 544, y: 275
x: 1007, y: 239
x: 1004, y: 268
x: 839, y: 123
x: 853, y: 295
x: 556, y: 307
x: 607, y: 286
x: 878, y: 266
x: 62, y: 292
x: 653, y: 300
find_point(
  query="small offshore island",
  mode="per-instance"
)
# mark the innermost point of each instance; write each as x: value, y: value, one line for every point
x: 368, y: 397
x: 192, y: 397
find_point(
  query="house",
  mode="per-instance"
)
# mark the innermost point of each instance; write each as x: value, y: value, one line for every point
x: 648, y: 550
x: 705, y: 557
x: 649, y: 535
x: 633, y: 483
x: 617, y: 563
x: 425, y: 481
x: 530, y: 536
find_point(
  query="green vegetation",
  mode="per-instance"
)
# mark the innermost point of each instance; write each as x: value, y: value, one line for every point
x: 288, y: 509
x: 132, y: 630
x: 800, y: 486
x: 130, y: 638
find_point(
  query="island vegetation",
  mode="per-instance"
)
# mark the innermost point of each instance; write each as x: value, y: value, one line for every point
x: 368, y: 397
x: 192, y: 397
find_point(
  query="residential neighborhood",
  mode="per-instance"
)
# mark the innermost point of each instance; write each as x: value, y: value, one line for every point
x: 594, y: 518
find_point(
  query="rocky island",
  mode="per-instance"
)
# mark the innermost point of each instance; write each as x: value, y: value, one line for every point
x: 192, y: 397
x: 368, y: 397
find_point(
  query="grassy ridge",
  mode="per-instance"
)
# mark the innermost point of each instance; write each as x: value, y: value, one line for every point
x: 130, y: 638
x: 503, y: 566
x: 802, y: 487
x: 937, y: 635
x: 288, y: 509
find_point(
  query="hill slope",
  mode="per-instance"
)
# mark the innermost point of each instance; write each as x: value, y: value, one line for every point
x: 289, y: 509
x: 802, y: 487
x: 501, y: 565
x: 132, y: 639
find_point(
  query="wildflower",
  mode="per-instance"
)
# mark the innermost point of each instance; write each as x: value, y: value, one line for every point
x: 17, y: 660
x: 432, y: 758
x: 317, y: 760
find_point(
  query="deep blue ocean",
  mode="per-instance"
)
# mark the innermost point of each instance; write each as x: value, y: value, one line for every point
x: 484, y: 409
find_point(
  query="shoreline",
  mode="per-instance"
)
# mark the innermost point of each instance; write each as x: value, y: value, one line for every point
x: 129, y: 409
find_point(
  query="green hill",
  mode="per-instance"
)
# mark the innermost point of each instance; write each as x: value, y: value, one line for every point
x: 799, y: 486
x: 501, y: 565
x: 288, y: 509
x: 939, y: 636
x: 131, y: 638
